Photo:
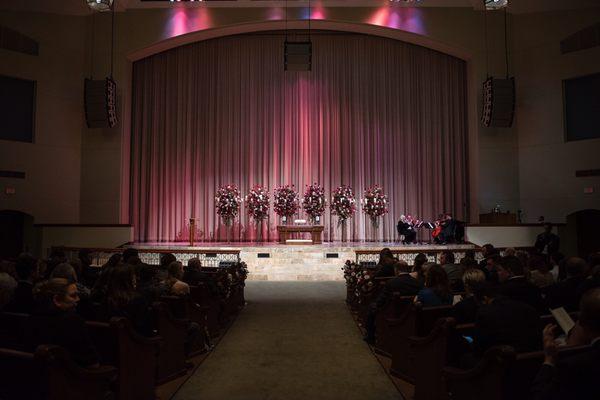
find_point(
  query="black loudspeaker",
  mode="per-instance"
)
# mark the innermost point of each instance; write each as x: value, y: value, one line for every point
x: 498, y: 102
x: 100, y: 99
x: 297, y: 56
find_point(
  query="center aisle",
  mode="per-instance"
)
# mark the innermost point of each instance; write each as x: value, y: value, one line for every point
x: 294, y: 340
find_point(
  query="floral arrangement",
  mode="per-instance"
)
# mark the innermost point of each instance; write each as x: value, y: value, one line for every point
x: 314, y: 202
x: 257, y: 203
x: 364, y: 283
x: 350, y: 270
x: 343, y: 203
x: 241, y: 271
x: 375, y: 203
x: 285, y: 202
x: 227, y: 203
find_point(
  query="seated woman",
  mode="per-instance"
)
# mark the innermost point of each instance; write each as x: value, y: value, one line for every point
x: 54, y: 321
x: 122, y: 300
x: 465, y: 310
x: 437, y: 288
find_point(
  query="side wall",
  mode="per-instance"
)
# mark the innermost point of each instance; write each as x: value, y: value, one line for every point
x: 547, y: 164
x: 52, y: 164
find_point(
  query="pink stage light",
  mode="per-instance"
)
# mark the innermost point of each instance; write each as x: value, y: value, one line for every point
x: 186, y: 20
x: 276, y: 14
x: 318, y: 12
x: 404, y: 18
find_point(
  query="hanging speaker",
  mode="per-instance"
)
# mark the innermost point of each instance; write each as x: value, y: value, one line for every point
x: 498, y: 102
x: 100, y: 100
x: 297, y: 56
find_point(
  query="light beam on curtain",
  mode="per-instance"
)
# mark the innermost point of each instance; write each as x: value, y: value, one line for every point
x: 372, y: 111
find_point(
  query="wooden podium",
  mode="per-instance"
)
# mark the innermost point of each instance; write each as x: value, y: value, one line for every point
x: 316, y: 232
x: 498, y: 219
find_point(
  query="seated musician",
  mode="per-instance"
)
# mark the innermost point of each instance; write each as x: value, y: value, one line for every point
x: 406, y: 229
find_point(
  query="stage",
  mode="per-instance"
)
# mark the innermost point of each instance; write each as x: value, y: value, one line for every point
x: 272, y: 261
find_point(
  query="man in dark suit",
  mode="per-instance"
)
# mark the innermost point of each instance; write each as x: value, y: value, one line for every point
x: 575, y: 376
x: 406, y: 230
x: 547, y: 242
x: 403, y: 283
x: 564, y: 294
x: 502, y: 321
x: 515, y: 286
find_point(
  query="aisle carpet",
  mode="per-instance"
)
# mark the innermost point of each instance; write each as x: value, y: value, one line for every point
x: 294, y: 340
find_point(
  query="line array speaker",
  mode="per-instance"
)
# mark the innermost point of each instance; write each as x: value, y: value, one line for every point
x: 100, y: 98
x: 297, y: 56
x: 498, y: 102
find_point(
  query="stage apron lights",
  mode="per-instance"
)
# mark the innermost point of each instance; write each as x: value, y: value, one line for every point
x: 372, y: 111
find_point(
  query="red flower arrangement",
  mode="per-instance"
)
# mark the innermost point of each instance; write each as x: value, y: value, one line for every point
x: 314, y: 202
x: 285, y: 202
x: 343, y: 203
x: 257, y: 203
x: 375, y: 204
x: 227, y: 203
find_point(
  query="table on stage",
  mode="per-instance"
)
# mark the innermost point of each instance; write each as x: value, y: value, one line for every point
x: 316, y: 231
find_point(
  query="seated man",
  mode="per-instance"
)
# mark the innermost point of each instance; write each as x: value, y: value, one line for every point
x: 26, y: 269
x: 502, y: 321
x: 404, y: 283
x: 564, y: 294
x: 406, y: 230
x: 515, y: 286
x: 453, y: 270
x: 575, y: 376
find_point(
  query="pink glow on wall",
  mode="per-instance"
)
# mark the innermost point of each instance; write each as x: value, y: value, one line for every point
x: 185, y: 20
x: 318, y: 12
x: 276, y: 14
x: 408, y: 19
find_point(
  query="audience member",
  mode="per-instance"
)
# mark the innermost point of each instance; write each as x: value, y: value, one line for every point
x: 66, y: 271
x: 559, y: 273
x: 163, y: 269
x: 147, y: 286
x: 487, y: 250
x: 173, y: 284
x: 453, y: 271
x: 131, y: 256
x: 503, y: 321
x: 564, y: 294
x: 193, y: 273
x: 510, y: 252
x: 385, y: 268
x: 26, y: 269
x: 403, y: 283
x: 8, y: 284
x: 539, y: 272
x: 54, y: 321
x: 465, y: 310
x: 122, y: 300
x: 437, y: 290
x: 418, y: 268
x: 515, y: 286
x: 490, y: 268
x: 573, y: 377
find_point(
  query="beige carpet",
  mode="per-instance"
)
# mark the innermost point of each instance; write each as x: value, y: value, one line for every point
x: 294, y: 340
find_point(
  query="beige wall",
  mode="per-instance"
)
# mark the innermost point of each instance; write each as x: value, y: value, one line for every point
x: 547, y: 165
x: 50, y: 192
x: 76, y: 175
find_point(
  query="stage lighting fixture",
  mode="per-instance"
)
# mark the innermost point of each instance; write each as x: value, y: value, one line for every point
x: 99, y: 5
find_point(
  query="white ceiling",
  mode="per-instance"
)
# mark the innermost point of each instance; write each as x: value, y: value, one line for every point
x: 78, y: 7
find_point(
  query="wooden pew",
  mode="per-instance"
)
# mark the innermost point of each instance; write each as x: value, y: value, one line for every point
x: 429, y: 354
x: 171, y: 355
x: 202, y: 295
x: 133, y: 355
x: 415, y: 320
x: 502, y: 374
x: 13, y: 328
x: 50, y: 374
x: 392, y: 310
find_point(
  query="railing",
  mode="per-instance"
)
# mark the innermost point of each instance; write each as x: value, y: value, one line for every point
x: 208, y: 257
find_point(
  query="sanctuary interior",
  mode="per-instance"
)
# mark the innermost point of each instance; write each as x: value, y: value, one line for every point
x: 299, y: 199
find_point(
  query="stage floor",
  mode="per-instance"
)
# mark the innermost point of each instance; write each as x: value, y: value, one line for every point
x: 279, y: 262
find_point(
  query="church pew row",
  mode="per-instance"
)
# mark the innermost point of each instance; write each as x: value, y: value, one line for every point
x: 50, y: 374
x: 429, y: 354
x: 502, y: 374
x: 171, y: 360
x: 134, y: 356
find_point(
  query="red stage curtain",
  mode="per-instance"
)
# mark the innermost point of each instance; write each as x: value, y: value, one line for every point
x: 372, y: 111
